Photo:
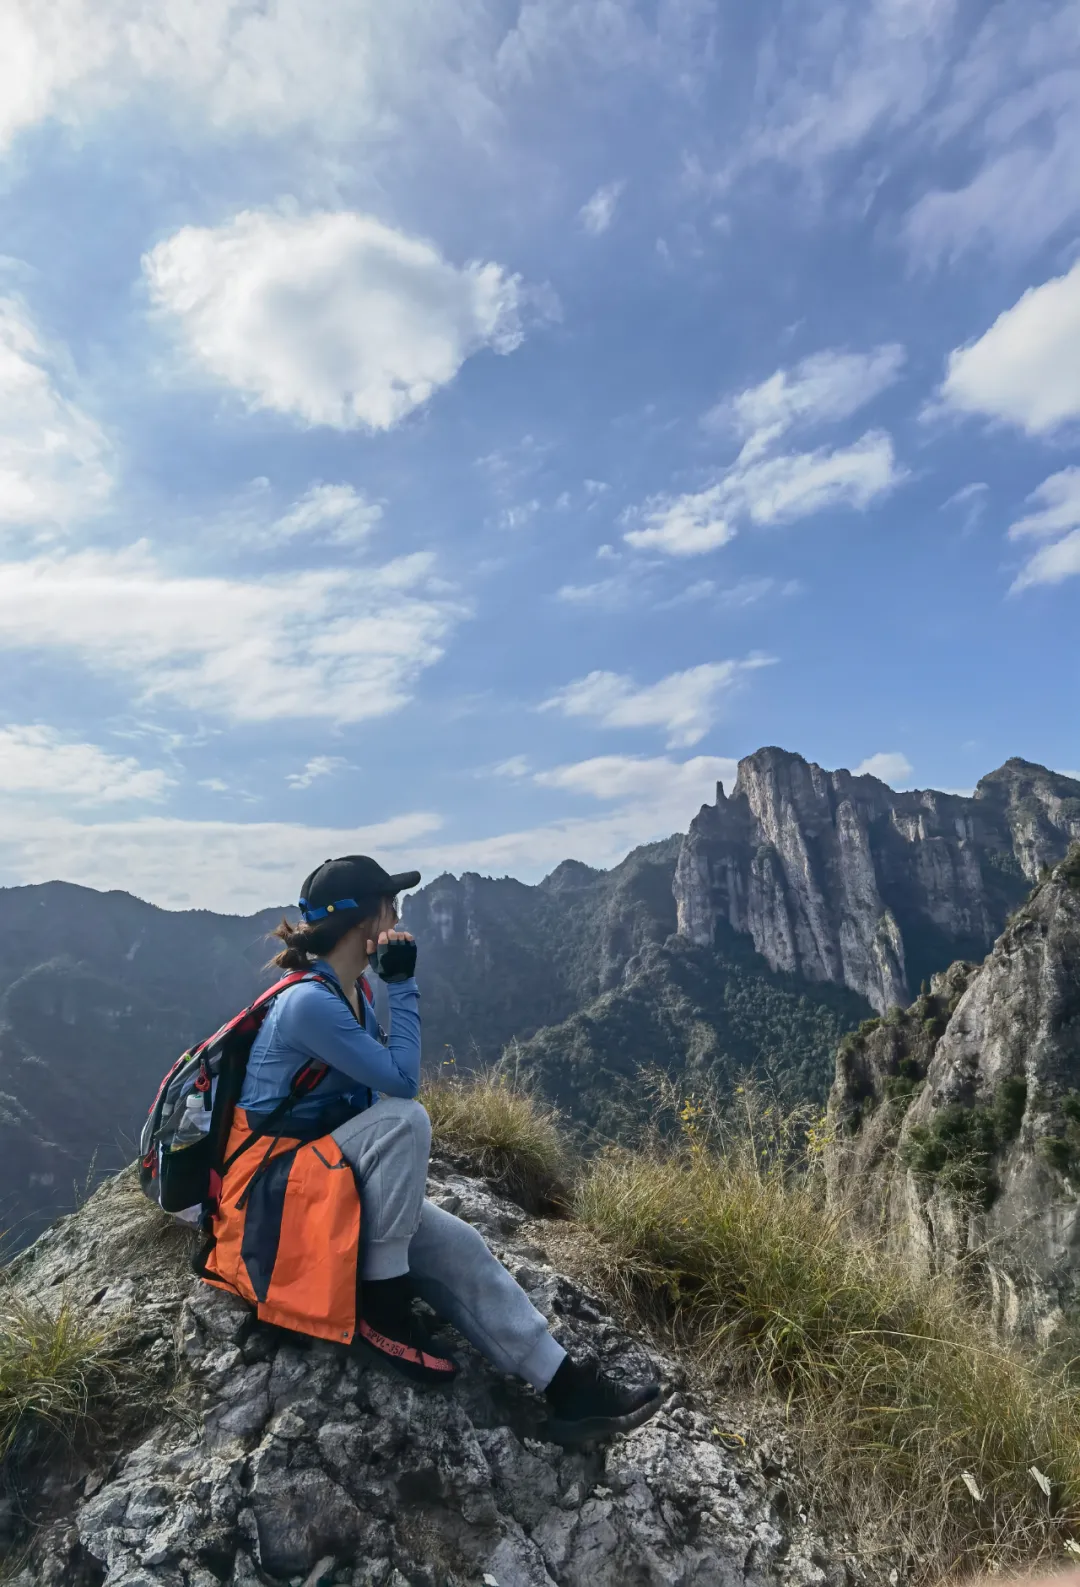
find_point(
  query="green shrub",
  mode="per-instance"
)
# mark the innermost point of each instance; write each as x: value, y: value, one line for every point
x: 901, y: 1087
x: 1058, y: 1152
x: 1070, y: 866
x: 955, y: 1148
x: 1010, y: 1101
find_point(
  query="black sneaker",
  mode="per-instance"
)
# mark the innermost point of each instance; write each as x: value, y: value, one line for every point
x: 392, y: 1335
x: 587, y: 1403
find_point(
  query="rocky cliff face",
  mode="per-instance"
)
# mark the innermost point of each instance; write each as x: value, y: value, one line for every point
x: 957, y: 1123
x: 840, y: 878
x: 275, y: 1464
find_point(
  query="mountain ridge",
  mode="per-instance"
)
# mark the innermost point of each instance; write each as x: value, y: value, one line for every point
x: 793, y: 894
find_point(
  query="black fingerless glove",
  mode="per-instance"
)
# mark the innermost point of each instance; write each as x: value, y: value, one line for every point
x: 395, y: 961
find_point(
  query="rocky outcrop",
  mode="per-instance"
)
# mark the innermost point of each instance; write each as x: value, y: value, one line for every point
x: 280, y: 1464
x: 956, y: 1124
x: 840, y: 878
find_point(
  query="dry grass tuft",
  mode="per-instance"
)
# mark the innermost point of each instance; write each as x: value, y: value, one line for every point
x: 55, y: 1365
x: 503, y: 1130
x: 920, y: 1428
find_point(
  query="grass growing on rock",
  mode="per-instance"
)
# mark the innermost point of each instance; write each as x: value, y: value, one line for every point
x: 919, y: 1430
x: 55, y: 1365
x: 906, y: 1404
x: 506, y: 1134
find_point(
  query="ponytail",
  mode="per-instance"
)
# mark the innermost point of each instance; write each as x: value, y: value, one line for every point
x: 299, y: 949
x: 304, y: 942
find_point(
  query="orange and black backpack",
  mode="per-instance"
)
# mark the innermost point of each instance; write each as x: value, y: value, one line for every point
x: 281, y: 1224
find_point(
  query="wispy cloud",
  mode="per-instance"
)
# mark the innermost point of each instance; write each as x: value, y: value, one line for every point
x: 686, y: 525
x: 335, y: 514
x: 683, y: 785
x: 598, y: 213
x: 831, y: 78
x: 972, y: 500
x: 516, y: 766
x: 1012, y: 107
x: 333, y: 318
x: 36, y: 759
x: 683, y: 705
x: 895, y: 82
x: 769, y: 490
x: 318, y: 766
x: 185, y: 864
x: 1052, y: 564
x: 286, y: 646
x: 56, y: 463
x: 1057, y: 503
x: 647, y: 798
x: 823, y: 388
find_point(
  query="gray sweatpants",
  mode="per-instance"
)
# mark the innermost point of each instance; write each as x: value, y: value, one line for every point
x: 452, y: 1269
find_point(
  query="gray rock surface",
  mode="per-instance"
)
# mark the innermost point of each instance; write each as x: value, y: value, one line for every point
x: 292, y: 1464
x: 840, y: 878
x: 957, y: 1124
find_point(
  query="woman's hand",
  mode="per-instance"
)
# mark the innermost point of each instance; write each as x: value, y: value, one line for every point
x: 394, y: 955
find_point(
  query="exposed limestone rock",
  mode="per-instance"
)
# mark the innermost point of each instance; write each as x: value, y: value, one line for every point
x: 299, y: 1465
x: 839, y: 878
x: 957, y: 1123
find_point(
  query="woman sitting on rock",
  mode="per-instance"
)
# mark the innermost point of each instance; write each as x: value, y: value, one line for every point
x: 366, y: 1106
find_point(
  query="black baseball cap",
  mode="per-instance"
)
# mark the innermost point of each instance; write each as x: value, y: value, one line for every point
x: 354, y: 883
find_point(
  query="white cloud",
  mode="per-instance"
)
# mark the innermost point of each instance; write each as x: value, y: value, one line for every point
x: 769, y: 490
x: 973, y: 500
x: 332, y: 318
x: 657, y: 780
x: 292, y: 645
x: 744, y: 592
x: 336, y: 514
x: 596, y: 215
x: 239, y: 867
x: 765, y: 487
x: 516, y: 766
x: 318, y: 766
x: 1059, y: 506
x: 831, y: 77
x: 1013, y: 100
x: 794, y: 485
x: 519, y: 515
x: 36, y: 759
x: 614, y: 594
x: 684, y: 704
x: 913, y: 85
x: 823, y: 388
x: 687, y: 525
x: 340, y: 69
x: 229, y: 866
x: 55, y: 462
x: 1026, y: 368
x: 650, y: 797
x: 888, y: 765
x: 1052, y: 564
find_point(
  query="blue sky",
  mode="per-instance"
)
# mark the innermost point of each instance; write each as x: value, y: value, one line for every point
x: 460, y: 432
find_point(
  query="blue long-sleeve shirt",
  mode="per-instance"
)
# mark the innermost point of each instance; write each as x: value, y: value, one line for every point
x: 312, y: 1021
